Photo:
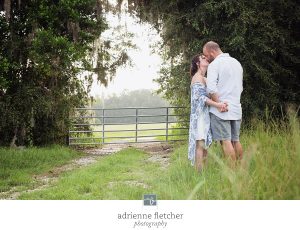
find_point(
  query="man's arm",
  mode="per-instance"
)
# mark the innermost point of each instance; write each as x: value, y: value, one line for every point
x: 212, y: 81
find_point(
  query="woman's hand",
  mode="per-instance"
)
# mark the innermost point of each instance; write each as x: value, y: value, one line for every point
x: 222, y: 106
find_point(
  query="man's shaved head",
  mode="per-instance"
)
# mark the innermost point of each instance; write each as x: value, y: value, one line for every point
x: 211, y: 50
x: 212, y: 46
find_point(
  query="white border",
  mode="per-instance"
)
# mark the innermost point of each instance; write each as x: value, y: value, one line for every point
x: 90, y: 215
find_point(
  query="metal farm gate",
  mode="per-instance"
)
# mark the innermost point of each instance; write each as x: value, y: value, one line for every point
x: 94, y: 126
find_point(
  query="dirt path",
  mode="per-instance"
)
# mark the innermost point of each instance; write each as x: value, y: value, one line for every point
x: 158, y: 153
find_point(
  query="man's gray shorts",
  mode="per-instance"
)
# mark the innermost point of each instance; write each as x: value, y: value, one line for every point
x: 224, y: 129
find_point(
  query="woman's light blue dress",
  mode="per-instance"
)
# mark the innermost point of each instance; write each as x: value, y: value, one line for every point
x: 199, y: 120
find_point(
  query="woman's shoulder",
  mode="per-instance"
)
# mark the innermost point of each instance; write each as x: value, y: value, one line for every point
x: 198, y: 79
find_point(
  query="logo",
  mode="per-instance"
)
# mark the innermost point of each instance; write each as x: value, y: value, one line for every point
x: 150, y: 200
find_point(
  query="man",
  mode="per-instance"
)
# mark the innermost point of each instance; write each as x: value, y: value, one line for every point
x: 225, y: 83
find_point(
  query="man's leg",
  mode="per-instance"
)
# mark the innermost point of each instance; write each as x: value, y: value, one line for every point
x: 235, y: 138
x: 228, y: 149
x: 221, y: 131
x: 204, y: 156
x: 238, y: 149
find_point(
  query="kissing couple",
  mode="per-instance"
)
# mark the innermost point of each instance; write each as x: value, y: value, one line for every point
x: 216, y: 111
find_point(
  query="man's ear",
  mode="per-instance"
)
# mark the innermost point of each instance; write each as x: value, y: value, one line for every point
x: 213, y: 53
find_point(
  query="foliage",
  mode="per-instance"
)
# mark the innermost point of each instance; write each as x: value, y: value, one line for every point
x: 262, y: 35
x: 47, y: 59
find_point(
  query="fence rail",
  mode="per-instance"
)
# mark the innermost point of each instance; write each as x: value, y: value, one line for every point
x: 84, y: 126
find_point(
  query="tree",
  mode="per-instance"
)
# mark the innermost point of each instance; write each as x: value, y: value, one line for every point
x: 262, y: 35
x: 44, y: 45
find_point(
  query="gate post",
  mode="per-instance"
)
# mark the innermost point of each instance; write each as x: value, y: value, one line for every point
x: 136, y: 124
x: 103, y: 140
x: 167, y: 125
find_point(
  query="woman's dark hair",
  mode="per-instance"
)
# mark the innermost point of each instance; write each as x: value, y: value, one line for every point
x: 194, y: 66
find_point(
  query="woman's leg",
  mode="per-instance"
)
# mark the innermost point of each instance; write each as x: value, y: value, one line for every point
x: 200, y: 151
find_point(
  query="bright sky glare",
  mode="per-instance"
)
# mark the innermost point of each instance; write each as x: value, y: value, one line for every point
x: 145, y: 64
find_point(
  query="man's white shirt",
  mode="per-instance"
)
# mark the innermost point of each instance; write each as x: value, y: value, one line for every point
x: 225, y: 77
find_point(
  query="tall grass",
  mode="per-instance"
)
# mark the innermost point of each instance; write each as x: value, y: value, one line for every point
x: 270, y: 168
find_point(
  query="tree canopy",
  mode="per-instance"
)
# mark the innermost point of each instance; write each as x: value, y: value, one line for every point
x: 49, y: 51
x: 263, y: 35
x: 44, y: 45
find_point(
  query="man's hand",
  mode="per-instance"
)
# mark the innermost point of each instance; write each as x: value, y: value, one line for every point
x: 222, y: 107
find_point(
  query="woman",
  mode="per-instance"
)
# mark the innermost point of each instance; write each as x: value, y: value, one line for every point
x: 199, y: 134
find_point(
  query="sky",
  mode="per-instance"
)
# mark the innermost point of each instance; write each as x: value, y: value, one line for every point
x: 145, y: 64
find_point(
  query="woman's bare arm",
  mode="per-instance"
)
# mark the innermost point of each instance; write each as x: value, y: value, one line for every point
x: 221, y: 106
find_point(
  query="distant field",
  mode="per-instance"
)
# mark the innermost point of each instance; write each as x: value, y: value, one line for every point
x: 117, y: 133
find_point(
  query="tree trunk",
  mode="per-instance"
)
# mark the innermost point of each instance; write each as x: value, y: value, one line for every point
x: 7, y: 9
x: 13, y: 141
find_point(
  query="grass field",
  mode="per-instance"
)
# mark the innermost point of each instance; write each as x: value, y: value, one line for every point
x: 111, y: 178
x: 18, y: 166
x: 269, y: 170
